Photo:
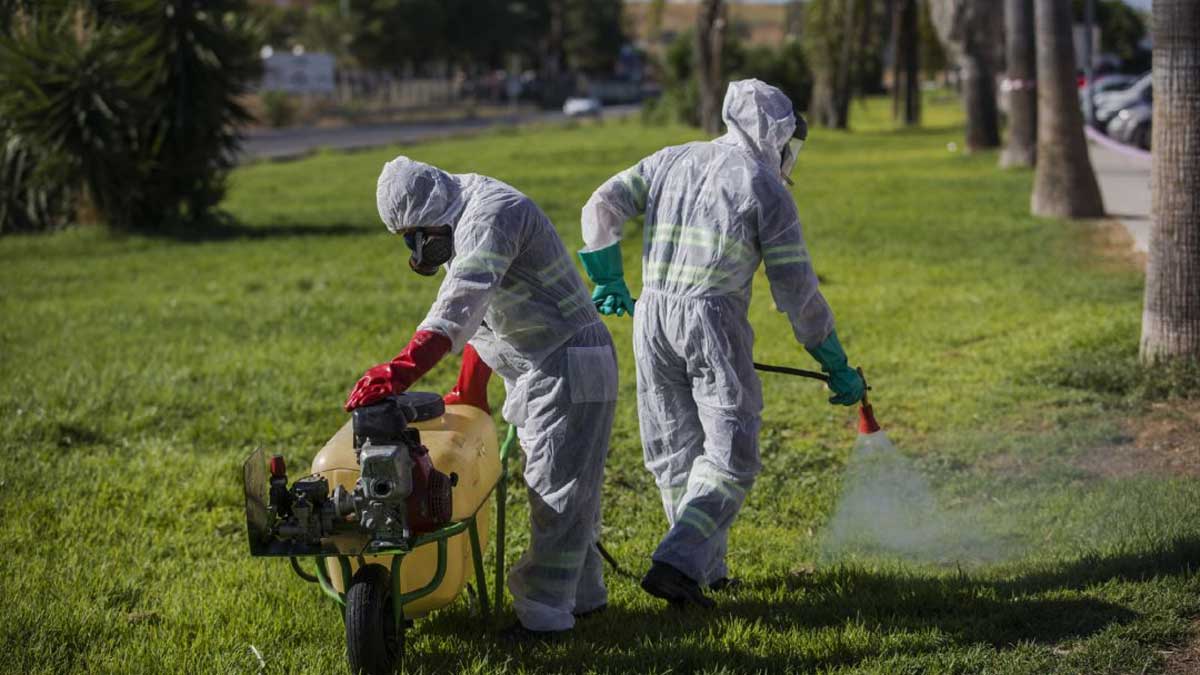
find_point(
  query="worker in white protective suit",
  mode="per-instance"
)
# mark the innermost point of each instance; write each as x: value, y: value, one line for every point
x: 713, y: 212
x: 512, y: 294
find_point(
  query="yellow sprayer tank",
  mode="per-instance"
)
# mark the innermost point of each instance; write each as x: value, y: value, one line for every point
x: 461, y: 441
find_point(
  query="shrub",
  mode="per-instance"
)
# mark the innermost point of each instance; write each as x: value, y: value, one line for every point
x: 130, y: 111
x: 207, y: 58
x: 785, y: 67
x: 30, y: 199
x: 73, y: 89
x: 278, y: 109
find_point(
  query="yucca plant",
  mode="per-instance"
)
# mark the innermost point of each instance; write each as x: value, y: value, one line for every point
x: 206, y: 58
x: 71, y: 92
x: 127, y: 107
x: 32, y: 198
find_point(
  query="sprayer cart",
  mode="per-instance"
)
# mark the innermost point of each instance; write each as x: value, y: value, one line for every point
x: 392, y: 519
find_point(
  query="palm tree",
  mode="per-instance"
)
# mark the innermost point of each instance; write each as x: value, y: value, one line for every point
x: 971, y: 31
x: 710, y: 36
x: 1020, y: 82
x: 906, y: 68
x: 1171, y: 318
x: 1064, y: 184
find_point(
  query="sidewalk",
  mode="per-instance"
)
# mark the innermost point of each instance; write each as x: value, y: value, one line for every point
x: 1124, y: 176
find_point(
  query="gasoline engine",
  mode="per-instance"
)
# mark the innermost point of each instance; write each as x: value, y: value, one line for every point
x: 398, y: 493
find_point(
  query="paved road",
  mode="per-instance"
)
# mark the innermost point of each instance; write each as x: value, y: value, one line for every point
x: 292, y: 143
x: 1124, y: 176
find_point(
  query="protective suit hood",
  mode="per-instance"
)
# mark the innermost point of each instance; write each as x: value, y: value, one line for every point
x: 411, y: 194
x: 759, y: 119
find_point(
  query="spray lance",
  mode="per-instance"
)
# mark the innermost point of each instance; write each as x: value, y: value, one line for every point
x: 866, y: 415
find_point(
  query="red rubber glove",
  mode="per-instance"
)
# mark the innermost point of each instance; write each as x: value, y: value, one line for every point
x: 471, y: 388
x: 422, y: 353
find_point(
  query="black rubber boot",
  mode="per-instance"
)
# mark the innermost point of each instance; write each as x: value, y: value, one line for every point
x: 666, y: 582
x: 730, y: 584
x: 518, y: 634
x: 591, y: 612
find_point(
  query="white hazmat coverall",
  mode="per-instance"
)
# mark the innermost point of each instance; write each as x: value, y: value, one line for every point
x: 513, y: 292
x: 713, y: 212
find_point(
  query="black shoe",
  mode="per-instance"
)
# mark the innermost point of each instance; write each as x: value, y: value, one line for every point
x: 666, y: 582
x: 518, y: 634
x: 731, y: 584
x: 591, y: 612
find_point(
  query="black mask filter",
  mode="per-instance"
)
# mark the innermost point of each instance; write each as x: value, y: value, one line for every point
x: 431, y: 248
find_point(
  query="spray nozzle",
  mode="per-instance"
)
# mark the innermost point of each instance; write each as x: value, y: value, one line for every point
x: 866, y: 415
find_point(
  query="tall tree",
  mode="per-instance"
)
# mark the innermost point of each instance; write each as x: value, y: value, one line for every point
x: 710, y: 37
x: 906, y: 67
x: 593, y: 35
x: 932, y: 57
x: 1021, y: 83
x: 971, y: 31
x: 1171, y: 318
x: 832, y: 30
x: 393, y: 33
x: 1064, y: 184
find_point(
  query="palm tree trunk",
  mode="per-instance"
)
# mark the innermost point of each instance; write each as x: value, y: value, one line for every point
x: 1171, y: 318
x: 906, y: 79
x: 1021, y: 150
x: 710, y: 36
x: 842, y: 83
x: 979, y: 98
x: 970, y: 30
x: 1064, y: 184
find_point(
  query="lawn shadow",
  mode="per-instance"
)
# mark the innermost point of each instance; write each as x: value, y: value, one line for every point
x: 234, y: 231
x: 930, y: 130
x: 839, y: 616
x: 224, y: 227
x: 1178, y: 558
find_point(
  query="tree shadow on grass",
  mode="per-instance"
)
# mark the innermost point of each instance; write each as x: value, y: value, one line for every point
x: 231, y: 231
x: 832, y: 617
x: 223, y: 226
x: 931, y: 130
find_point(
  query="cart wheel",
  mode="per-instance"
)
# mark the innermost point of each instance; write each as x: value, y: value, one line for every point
x: 374, y: 646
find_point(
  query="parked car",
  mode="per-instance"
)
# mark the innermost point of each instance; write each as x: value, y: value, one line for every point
x: 580, y: 106
x: 1109, y: 104
x: 1131, y: 126
x: 1102, y: 85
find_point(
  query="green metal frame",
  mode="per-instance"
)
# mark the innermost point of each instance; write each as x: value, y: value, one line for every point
x: 440, y: 537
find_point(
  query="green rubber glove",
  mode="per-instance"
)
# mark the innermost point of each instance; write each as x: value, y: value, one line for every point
x: 845, y: 382
x: 603, y: 267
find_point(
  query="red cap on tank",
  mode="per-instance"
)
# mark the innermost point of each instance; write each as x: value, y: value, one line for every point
x: 278, y: 467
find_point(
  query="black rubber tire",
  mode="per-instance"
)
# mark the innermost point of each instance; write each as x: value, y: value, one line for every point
x: 373, y: 645
x: 1141, y: 136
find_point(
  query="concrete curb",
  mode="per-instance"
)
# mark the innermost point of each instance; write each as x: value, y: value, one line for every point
x: 1128, y: 150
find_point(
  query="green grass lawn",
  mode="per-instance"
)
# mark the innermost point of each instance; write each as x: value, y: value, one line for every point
x: 138, y: 373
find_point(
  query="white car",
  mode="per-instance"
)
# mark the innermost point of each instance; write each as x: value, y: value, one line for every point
x: 580, y: 106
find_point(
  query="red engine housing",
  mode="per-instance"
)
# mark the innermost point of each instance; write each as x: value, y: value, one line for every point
x: 431, y: 502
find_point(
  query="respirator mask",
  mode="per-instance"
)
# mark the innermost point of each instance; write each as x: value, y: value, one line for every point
x: 431, y: 248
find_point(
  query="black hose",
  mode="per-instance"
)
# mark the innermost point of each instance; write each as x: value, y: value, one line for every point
x: 811, y: 374
x: 301, y: 573
x: 613, y: 562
